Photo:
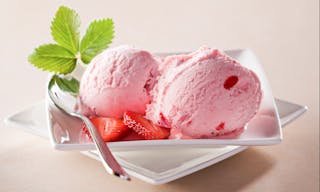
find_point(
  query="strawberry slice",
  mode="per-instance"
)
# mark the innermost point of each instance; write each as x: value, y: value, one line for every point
x: 132, y: 136
x: 144, y: 127
x: 111, y: 129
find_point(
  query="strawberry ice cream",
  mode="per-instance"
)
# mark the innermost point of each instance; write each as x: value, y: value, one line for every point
x: 116, y: 81
x: 204, y: 95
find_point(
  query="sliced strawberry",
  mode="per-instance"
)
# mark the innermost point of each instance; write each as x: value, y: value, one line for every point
x: 132, y: 136
x: 111, y: 129
x: 144, y: 127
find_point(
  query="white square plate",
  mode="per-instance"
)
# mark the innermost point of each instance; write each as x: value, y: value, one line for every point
x: 263, y: 129
x: 141, y: 164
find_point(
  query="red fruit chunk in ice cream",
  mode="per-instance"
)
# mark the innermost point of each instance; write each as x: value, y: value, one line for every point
x: 230, y: 82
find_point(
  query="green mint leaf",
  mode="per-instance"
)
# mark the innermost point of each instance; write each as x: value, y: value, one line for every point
x: 53, y: 58
x: 65, y: 29
x: 66, y: 84
x: 97, y: 38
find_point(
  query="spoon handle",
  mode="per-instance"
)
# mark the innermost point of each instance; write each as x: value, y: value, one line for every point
x: 108, y: 160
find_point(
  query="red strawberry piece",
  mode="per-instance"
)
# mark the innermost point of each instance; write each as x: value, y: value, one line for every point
x: 111, y: 129
x: 144, y: 127
x: 220, y: 126
x: 230, y: 82
x: 132, y: 136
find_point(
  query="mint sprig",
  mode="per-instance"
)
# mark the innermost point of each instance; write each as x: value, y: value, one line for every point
x: 65, y: 29
x: 62, y: 57
x: 97, y: 38
x: 53, y: 58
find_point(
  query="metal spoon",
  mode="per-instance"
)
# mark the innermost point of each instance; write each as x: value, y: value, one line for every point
x: 109, y: 162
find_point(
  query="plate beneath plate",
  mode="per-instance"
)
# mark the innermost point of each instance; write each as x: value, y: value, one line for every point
x: 263, y: 129
x: 140, y: 164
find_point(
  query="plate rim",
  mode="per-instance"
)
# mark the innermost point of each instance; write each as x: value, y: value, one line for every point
x: 286, y: 118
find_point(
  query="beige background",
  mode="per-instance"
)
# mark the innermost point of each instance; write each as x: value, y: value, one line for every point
x: 283, y: 34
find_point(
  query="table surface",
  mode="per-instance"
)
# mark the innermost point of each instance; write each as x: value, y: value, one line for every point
x: 283, y: 34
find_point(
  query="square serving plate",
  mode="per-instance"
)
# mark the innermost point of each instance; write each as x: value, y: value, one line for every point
x: 141, y: 164
x: 263, y: 129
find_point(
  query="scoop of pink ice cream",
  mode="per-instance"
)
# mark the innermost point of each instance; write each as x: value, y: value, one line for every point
x: 204, y: 94
x: 117, y: 80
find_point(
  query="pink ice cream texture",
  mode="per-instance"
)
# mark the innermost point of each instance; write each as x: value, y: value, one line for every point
x: 205, y: 94
x: 117, y: 80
